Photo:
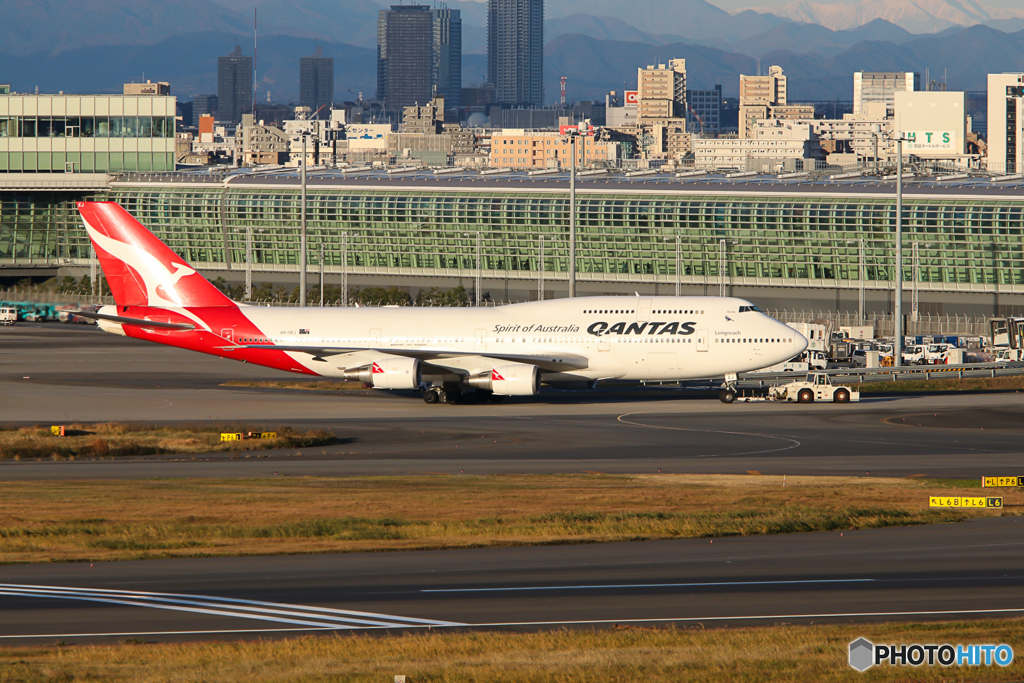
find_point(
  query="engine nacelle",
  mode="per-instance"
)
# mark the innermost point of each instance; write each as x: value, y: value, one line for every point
x: 388, y: 373
x: 517, y: 379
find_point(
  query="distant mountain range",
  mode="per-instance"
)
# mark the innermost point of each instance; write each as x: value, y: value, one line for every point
x: 87, y: 46
x: 918, y: 16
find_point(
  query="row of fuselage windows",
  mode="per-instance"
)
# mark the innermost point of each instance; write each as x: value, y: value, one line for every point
x: 508, y: 340
x: 738, y: 340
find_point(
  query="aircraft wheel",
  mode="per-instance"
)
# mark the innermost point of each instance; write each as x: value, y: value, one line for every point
x: 805, y: 396
x: 431, y: 396
x: 727, y: 396
x: 841, y: 396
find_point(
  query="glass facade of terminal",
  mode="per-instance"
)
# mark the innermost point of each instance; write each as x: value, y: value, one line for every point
x: 970, y: 244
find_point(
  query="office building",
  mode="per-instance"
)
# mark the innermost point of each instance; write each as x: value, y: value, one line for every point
x: 203, y: 105
x: 316, y: 83
x: 1005, y: 122
x: 86, y: 133
x: 446, y: 57
x: 540, y: 149
x: 661, y: 91
x: 234, y: 86
x: 881, y: 87
x: 773, y: 145
x: 704, y: 110
x: 932, y: 123
x: 515, y: 51
x: 419, y: 56
x: 758, y: 94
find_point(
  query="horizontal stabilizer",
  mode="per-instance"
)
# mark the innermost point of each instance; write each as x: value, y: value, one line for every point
x: 138, y: 322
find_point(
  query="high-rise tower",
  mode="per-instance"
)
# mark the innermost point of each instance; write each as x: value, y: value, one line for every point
x: 316, y: 83
x: 234, y: 86
x: 419, y: 56
x: 515, y: 51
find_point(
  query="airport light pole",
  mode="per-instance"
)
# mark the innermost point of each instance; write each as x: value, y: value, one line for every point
x: 721, y: 268
x: 321, y: 274
x: 479, y: 265
x: 344, y: 265
x: 540, y: 271
x: 679, y: 265
x: 302, y: 229
x: 897, y: 348
x: 572, y: 216
x: 860, y: 277
x: 248, y: 264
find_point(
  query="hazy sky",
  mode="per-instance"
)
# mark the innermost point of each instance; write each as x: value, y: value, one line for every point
x: 731, y: 5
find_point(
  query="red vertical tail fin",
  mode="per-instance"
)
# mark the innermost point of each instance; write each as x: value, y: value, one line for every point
x: 140, y: 269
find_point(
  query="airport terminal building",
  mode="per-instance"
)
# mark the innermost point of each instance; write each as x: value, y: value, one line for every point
x: 783, y: 243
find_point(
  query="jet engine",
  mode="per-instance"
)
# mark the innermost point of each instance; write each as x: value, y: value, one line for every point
x: 388, y: 373
x: 517, y: 379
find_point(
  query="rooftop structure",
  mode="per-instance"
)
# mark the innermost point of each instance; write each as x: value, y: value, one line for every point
x: 147, y: 88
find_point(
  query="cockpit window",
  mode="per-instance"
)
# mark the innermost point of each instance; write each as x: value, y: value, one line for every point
x: 744, y: 309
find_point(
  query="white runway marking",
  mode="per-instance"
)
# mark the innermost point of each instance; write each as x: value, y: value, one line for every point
x: 281, y: 613
x: 644, y: 585
x: 793, y: 442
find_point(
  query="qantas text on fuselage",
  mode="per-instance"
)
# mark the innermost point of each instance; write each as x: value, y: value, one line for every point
x: 494, y: 351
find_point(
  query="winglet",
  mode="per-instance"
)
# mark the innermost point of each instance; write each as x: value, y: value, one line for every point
x: 140, y: 269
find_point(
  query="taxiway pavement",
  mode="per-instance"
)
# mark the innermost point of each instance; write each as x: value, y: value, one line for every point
x: 53, y: 374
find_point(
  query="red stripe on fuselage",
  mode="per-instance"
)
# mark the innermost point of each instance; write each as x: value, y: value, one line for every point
x: 218, y: 318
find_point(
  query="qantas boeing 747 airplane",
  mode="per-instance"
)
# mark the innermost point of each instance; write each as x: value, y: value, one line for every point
x: 494, y: 352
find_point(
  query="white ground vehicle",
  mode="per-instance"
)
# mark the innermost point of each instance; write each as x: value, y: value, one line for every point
x: 8, y: 316
x: 1010, y: 356
x: 935, y: 354
x: 914, y: 355
x: 815, y: 387
x: 816, y: 360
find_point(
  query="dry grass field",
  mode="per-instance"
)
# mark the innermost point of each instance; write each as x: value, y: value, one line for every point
x: 744, y: 655
x: 112, y: 439
x: 56, y: 521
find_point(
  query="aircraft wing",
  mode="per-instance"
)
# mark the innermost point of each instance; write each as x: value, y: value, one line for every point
x: 554, y: 362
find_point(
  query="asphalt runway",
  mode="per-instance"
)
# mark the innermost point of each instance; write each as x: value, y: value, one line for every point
x: 55, y: 374
x: 954, y: 571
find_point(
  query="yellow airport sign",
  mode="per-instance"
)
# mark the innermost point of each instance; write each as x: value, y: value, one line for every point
x: 995, y: 482
x: 231, y: 436
x: 964, y: 502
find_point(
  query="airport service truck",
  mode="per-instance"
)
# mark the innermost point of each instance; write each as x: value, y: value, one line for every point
x: 8, y: 316
x: 817, y: 386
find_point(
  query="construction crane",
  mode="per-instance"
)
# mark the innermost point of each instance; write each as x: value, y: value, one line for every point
x: 563, y: 89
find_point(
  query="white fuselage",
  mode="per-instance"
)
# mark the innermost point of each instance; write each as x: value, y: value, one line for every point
x: 629, y: 338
